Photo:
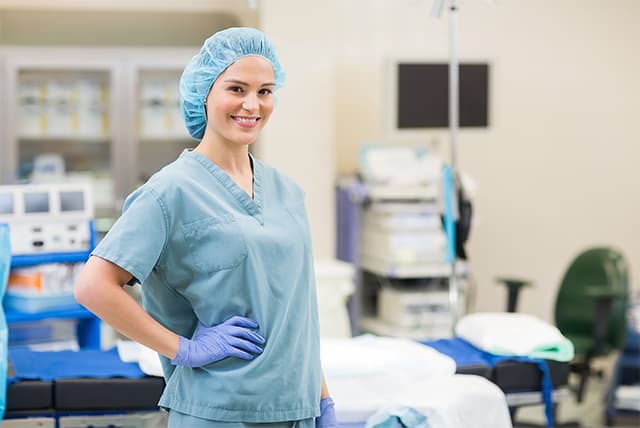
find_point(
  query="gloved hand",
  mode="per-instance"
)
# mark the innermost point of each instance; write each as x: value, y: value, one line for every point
x: 232, y: 338
x: 327, y: 418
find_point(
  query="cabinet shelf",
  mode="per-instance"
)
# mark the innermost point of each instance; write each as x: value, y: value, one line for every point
x: 87, y: 329
x: 375, y: 325
x: 74, y: 312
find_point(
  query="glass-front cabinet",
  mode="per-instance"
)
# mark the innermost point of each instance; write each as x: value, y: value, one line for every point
x: 159, y: 128
x: 61, y: 123
x: 106, y: 116
x: 64, y: 130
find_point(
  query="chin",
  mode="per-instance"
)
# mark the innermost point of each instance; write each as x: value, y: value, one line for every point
x: 245, y: 140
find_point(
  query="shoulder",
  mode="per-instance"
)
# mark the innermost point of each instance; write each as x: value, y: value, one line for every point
x: 169, y: 182
x: 281, y: 181
x: 162, y: 191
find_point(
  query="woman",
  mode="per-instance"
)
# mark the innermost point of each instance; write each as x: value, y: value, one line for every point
x: 220, y: 243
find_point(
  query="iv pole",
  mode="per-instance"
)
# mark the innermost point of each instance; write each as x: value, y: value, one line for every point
x: 436, y: 12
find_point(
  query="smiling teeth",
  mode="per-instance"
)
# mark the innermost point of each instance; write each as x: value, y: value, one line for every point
x: 246, y: 119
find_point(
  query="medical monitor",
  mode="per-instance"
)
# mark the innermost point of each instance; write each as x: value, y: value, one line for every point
x: 47, y: 219
x: 71, y: 201
x: 36, y: 202
x: 419, y: 96
x: 6, y: 203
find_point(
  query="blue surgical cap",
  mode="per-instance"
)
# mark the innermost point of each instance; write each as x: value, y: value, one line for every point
x: 219, y: 52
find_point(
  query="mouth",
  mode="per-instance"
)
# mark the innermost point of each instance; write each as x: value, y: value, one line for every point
x: 246, y: 121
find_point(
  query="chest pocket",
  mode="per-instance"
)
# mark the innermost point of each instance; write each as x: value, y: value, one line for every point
x: 215, y: 243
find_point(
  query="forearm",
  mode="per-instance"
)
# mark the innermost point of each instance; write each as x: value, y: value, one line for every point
x: 327, y: 418
x: 106, y: 298
x: 325, y: 391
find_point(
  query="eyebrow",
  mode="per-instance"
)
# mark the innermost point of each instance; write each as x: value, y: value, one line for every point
x: 240, y: 82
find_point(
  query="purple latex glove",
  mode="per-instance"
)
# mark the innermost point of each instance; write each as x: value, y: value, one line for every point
x: 327, y: 418
x: 232, y: 338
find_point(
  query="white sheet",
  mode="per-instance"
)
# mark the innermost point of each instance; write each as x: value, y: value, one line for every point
x: 133, y: 352
x: 368, y: 374
x: 368, y: 355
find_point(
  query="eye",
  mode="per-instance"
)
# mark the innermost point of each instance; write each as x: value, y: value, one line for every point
x: 236, y: 89
x: 265, y: 91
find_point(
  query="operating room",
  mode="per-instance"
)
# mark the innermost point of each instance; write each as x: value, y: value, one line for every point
x: 437, y: 224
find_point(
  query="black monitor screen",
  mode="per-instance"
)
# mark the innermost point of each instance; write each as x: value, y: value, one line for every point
x: 36, y: 202
x: 423, y: 95
x: 71, y: 201
x: 6, y: 203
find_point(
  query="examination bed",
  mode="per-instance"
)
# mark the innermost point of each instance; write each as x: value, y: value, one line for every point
x: 525, y: 381
x: 89, y: 382
x: 365, y: 375
x: 452, y: 389
x: 368, y: 375
x: 511, y: 375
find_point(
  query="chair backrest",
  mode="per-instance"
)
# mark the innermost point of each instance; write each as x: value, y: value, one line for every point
x: 575, y: 311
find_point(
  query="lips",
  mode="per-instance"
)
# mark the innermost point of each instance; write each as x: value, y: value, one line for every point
x: 246, y: 121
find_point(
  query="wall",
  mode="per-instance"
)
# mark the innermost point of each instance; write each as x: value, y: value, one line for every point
x: 557, y: 168
x: 299, y: 139
x: 109, y: 27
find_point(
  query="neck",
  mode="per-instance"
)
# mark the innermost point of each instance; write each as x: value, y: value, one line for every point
x: 233, y: 159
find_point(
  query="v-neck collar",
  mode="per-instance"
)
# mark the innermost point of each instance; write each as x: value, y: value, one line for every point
x: 253, y: 206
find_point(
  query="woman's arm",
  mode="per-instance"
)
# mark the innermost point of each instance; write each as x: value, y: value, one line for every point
x: 99, y: 288
x: 327, y: 418
x: 325, y: 391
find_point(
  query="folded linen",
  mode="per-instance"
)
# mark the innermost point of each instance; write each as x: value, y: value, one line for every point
x: 505, y: 333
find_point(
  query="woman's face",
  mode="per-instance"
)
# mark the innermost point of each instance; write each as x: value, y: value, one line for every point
x: 241, y: 101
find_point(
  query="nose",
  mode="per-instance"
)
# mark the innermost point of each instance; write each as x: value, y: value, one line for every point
x: 250, y: 102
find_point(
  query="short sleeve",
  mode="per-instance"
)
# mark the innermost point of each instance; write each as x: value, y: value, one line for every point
x: 136, y: 240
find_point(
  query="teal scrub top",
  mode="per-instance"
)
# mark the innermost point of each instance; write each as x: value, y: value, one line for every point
x: 203, y: 249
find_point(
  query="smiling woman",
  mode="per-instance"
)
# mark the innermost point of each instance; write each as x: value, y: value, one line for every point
x: 228, y: 286
x: 240, y: 103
